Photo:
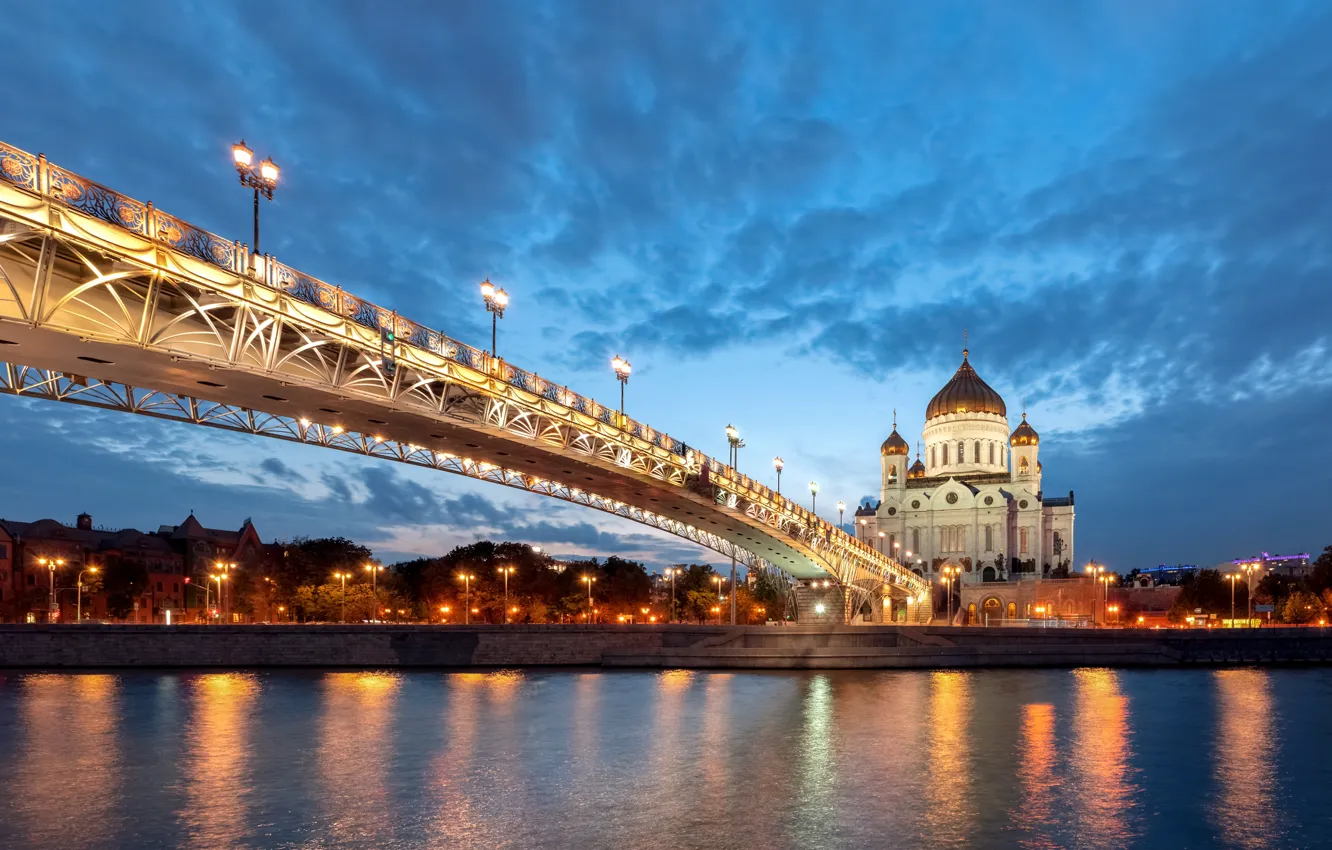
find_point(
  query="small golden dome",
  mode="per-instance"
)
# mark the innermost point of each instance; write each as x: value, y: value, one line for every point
x: 894, y: 445
x: 917, y: 470
x: 1024, y: 434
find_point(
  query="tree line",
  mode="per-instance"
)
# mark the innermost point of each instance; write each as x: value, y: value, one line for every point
x: 303, y: 584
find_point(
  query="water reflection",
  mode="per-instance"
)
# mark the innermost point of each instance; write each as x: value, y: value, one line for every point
x: 1246, y: 811
x: 216, y: 784
x: 66, y: 778
x: 1036, y: 815
x: 1106, y: 791
x: 815, y: 766
x: 356, y: 751
x: 949, y: 818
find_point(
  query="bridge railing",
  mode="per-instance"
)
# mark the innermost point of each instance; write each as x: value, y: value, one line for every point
x: 35, y: 174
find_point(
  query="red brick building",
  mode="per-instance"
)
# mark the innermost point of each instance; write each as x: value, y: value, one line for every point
x: 176, y: 558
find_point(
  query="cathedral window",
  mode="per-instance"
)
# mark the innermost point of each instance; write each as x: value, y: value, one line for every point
x: 1023, y: 466
x: 892, y: 473
x: 945, y: 454
x: 976, y: 456
x: 892, y: 545
x: 915, y: 540
x: 932, y: 463
x: 961, y: 452
x: 1022, y: 540
x: 989, y: 538
x: 991, y: 454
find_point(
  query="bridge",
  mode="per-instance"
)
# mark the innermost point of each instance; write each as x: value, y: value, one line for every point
x: 109, y: 302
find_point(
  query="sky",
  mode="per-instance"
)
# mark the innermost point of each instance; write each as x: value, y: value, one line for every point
x: 784, y: 214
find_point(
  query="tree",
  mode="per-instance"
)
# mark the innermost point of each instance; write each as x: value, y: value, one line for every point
x: 1320, y: 578
x: 1301, y: 606
x: 770, y: 591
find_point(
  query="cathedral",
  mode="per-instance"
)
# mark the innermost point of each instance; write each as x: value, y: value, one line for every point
x: 973, y: 499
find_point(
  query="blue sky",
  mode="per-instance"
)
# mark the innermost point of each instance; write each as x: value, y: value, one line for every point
x: 783, y: 214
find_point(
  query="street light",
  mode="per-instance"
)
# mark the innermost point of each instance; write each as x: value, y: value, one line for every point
x: 1112, y: 609
x: 225, y: 568
x: 1232, y: 578
x: 78, y: 605
x: 882, y: 535
x: 622, y: 369
x: 219, y: 578
x: 736, y: 444
x: 671, y: 573
x: 716, y: 609
x: 344, y: 577
x: 496, y: 300
x: 777, y: 464
x: 444, y: 610
x: 1250, y: 569
x: 262, y: 179
x: 814, y: 497
x: 53, y: 608
x: 467, y: 580
x: 897, y: 547
x: 841, y: 509
x: 374, y: 570
x: 1095, y: 576
x: 589, y: 581
x: 950, y: 575
x: 1105, y: 603
x: 506, y: 572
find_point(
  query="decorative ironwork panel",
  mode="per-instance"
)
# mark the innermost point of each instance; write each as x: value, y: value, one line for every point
x: 97, y: 200
x: 18, y: 167
x: 199, y: 244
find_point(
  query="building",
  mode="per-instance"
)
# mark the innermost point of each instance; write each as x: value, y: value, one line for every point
x: 176, y: 560
x: 1164, y: 575
x: 1288, y: 566
x: 973, y: 499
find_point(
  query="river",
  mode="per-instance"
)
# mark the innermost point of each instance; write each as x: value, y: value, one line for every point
x: 996, y: 758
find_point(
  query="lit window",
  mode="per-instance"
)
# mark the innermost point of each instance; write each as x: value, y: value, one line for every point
x: 945, y: 454
x: 991, y: 454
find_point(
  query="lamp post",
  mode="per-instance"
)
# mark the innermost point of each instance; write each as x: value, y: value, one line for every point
x: 374, y: 570
x: 467, y: 580
x: 1095, y: 572
x: 1249, y: 570
x: 589, y: 581
x: 814, y: 497
x: 506, y: 572
x: 948, y: 580
x: 78, y: 605
x: 496, y: 300
x: 777, y: 464
x: 882, y: 535
x: 622, y: 369
x: 897, y: 548
x: 219, y: 578
x: 1112, y: 609
x: 841, y: 509
x: 344, y: 577
x: 224, y: 568
x: 262, y: 179
x: 1232, y: 578
x: 1105, y: 599
x: 53, y: 607
x: 736, y: 444
x: 671, y: 573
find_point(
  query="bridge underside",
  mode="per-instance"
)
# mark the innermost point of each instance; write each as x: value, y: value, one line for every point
x: 100, y: 318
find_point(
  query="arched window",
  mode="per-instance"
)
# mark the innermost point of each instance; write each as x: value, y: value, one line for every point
x: 1022, y: 541
x: 915, y: 540
x: 945, y: 454
x: 991, y: 454
x: 961, y: 452
x: 989, y: 538
x: 892, y: 540
x: 932, y: 463
x: 1023, y: 466
x: 976, y: 456
x: 892, y: 473
x: 1012, y: 610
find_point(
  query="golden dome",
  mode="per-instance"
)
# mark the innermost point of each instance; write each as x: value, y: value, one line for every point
x: 1024, y: 434
x: 965, y: 393
x: 894, y: 445
x: 917, y: 470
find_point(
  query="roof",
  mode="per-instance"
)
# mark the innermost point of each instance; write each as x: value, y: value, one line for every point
x: 966, y: 392
x: 895, y: 445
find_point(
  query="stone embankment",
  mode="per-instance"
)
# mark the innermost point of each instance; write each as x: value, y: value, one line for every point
x: 719, y: 647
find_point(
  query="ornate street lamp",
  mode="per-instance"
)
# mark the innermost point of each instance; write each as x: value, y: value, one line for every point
x: 506, y: 572
x: 841, y: 509
x: 467, y: 597
x: 813, y: 497
x: 496, y: 300
x: 777, y: 464
x: 262, y: 178
x: 53, y: 608
x: 622, y: 369
x: 733, y: 438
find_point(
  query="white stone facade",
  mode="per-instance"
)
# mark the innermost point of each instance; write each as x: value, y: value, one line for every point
x: 974, y: 499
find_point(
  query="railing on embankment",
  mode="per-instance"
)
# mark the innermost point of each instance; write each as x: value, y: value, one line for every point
x: 719, y: 647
